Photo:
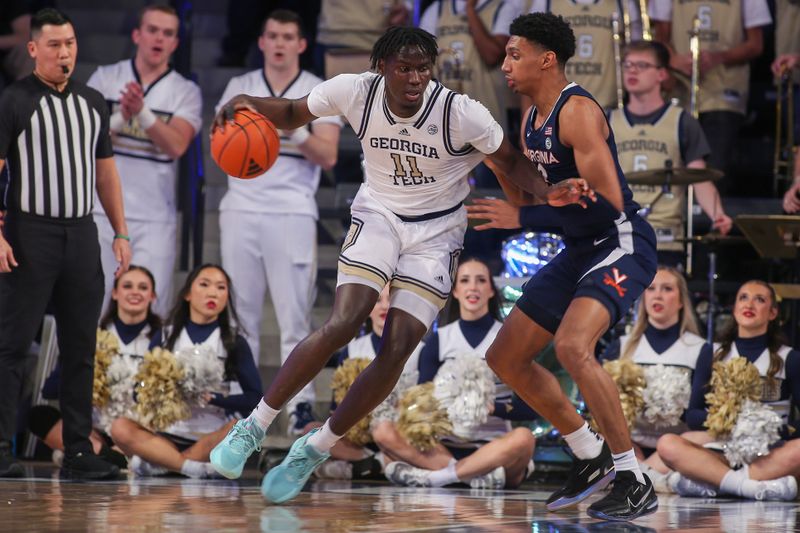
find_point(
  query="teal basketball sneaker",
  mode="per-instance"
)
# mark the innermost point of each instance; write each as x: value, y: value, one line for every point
x: 286, y: 480
x: 229, y: 456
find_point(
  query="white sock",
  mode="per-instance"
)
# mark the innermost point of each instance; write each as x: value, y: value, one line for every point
x: 584, y: 443
x: 627, y: 461
x: 263, y: 415
x: 324, y: 439
x: 194, y: 469
x: 733, y: 481
x: 444, y: 476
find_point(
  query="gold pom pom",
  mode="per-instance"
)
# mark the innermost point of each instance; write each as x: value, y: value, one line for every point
x: 629, y: 379
x: 422, y: 420
x: 159, y: 400
x: 106, y: 347
x: 343, y: 379
x: 732, y: 382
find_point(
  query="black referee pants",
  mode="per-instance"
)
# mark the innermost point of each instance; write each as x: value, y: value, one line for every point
x: 58, y: 260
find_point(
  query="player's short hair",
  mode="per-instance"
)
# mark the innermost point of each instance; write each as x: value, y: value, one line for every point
x: 161, y: 8
x: 659, y: 50
x: 398, y: 37
x: 285, y: 16
x: 46, y: 16
x: 547, y: 30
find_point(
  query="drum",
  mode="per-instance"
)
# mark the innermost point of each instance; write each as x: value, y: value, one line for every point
x: 526, y: 253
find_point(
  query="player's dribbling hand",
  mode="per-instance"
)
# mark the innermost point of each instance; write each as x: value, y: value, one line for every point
x: 227, y: 111
x: 7, y: 260
x: 570, y: 191
x: 122, y: 253
x: 499, y: 213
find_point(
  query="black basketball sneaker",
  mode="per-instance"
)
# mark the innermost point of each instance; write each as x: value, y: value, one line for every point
x: 586, y: 477
x: 627, y: 500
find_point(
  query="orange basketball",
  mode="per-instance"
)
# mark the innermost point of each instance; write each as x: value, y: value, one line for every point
x: 247, y: 147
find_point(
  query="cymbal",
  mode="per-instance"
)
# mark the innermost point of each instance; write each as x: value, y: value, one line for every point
x: 714, y: 238
x: 680, y: 176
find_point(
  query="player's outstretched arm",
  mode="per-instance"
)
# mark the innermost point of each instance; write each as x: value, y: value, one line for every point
x: 286, y: 114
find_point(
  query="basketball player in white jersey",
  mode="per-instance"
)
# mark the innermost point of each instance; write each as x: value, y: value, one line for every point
x: 420, y: 140
x: 268, y: 226
x: 156, y: 113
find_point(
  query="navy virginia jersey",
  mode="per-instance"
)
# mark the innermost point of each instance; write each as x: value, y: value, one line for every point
x: 556, y: 162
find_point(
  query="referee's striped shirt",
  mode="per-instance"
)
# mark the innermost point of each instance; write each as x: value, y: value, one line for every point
x: 50, y: 142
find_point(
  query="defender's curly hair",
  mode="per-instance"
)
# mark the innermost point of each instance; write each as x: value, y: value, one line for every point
x: 399, y: 37
x: 547, y: 30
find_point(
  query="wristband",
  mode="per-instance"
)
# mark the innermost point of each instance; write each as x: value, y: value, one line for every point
x: 121, y: 236
x: 146, y: 118
x: 116, y: 122
x: 299, y: 136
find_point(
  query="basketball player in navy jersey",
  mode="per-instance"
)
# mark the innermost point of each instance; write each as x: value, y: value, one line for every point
x: 610, y: 258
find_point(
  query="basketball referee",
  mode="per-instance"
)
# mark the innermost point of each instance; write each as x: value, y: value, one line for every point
x: 54, y: 137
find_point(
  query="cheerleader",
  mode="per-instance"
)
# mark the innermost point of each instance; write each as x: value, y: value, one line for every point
x: 753, y: 333
x: 204, y: 317
x: 497, y: 456
x: 665, y: 333
x: 130, y: 318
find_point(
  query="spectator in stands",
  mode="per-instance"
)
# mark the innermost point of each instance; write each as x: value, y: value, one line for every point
x: 156, y: 113
x: 649, y: 133
x: 15, y: 28
x: 731, y: 35
x: 244, y: 21
x: 496, y: 456
x: 205, y: 318
x: 472, y: 36
x: 787, y: 38
x: 754, y: 333
x: 268, y: 225
x: 354, y: 25
x: 787, y: 49
x: 131, y: 320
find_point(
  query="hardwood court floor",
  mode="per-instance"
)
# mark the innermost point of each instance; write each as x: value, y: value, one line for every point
x: 43, y: 503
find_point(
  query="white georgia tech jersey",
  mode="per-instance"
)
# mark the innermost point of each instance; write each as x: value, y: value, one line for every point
x: 415, y: 165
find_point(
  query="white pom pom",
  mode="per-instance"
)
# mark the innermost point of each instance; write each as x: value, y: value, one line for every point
x: 120, y: 377
x: 465, y: 387
x: 203, y: 372
x: 666, y: 395
x: 757, y: 426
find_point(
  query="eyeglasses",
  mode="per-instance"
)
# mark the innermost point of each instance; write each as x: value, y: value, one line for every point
x: 638, y: 65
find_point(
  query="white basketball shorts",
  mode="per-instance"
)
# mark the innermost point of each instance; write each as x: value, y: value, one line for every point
x: 419, y: 258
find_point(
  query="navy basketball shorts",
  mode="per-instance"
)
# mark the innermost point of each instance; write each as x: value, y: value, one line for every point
x: 613, y: 270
